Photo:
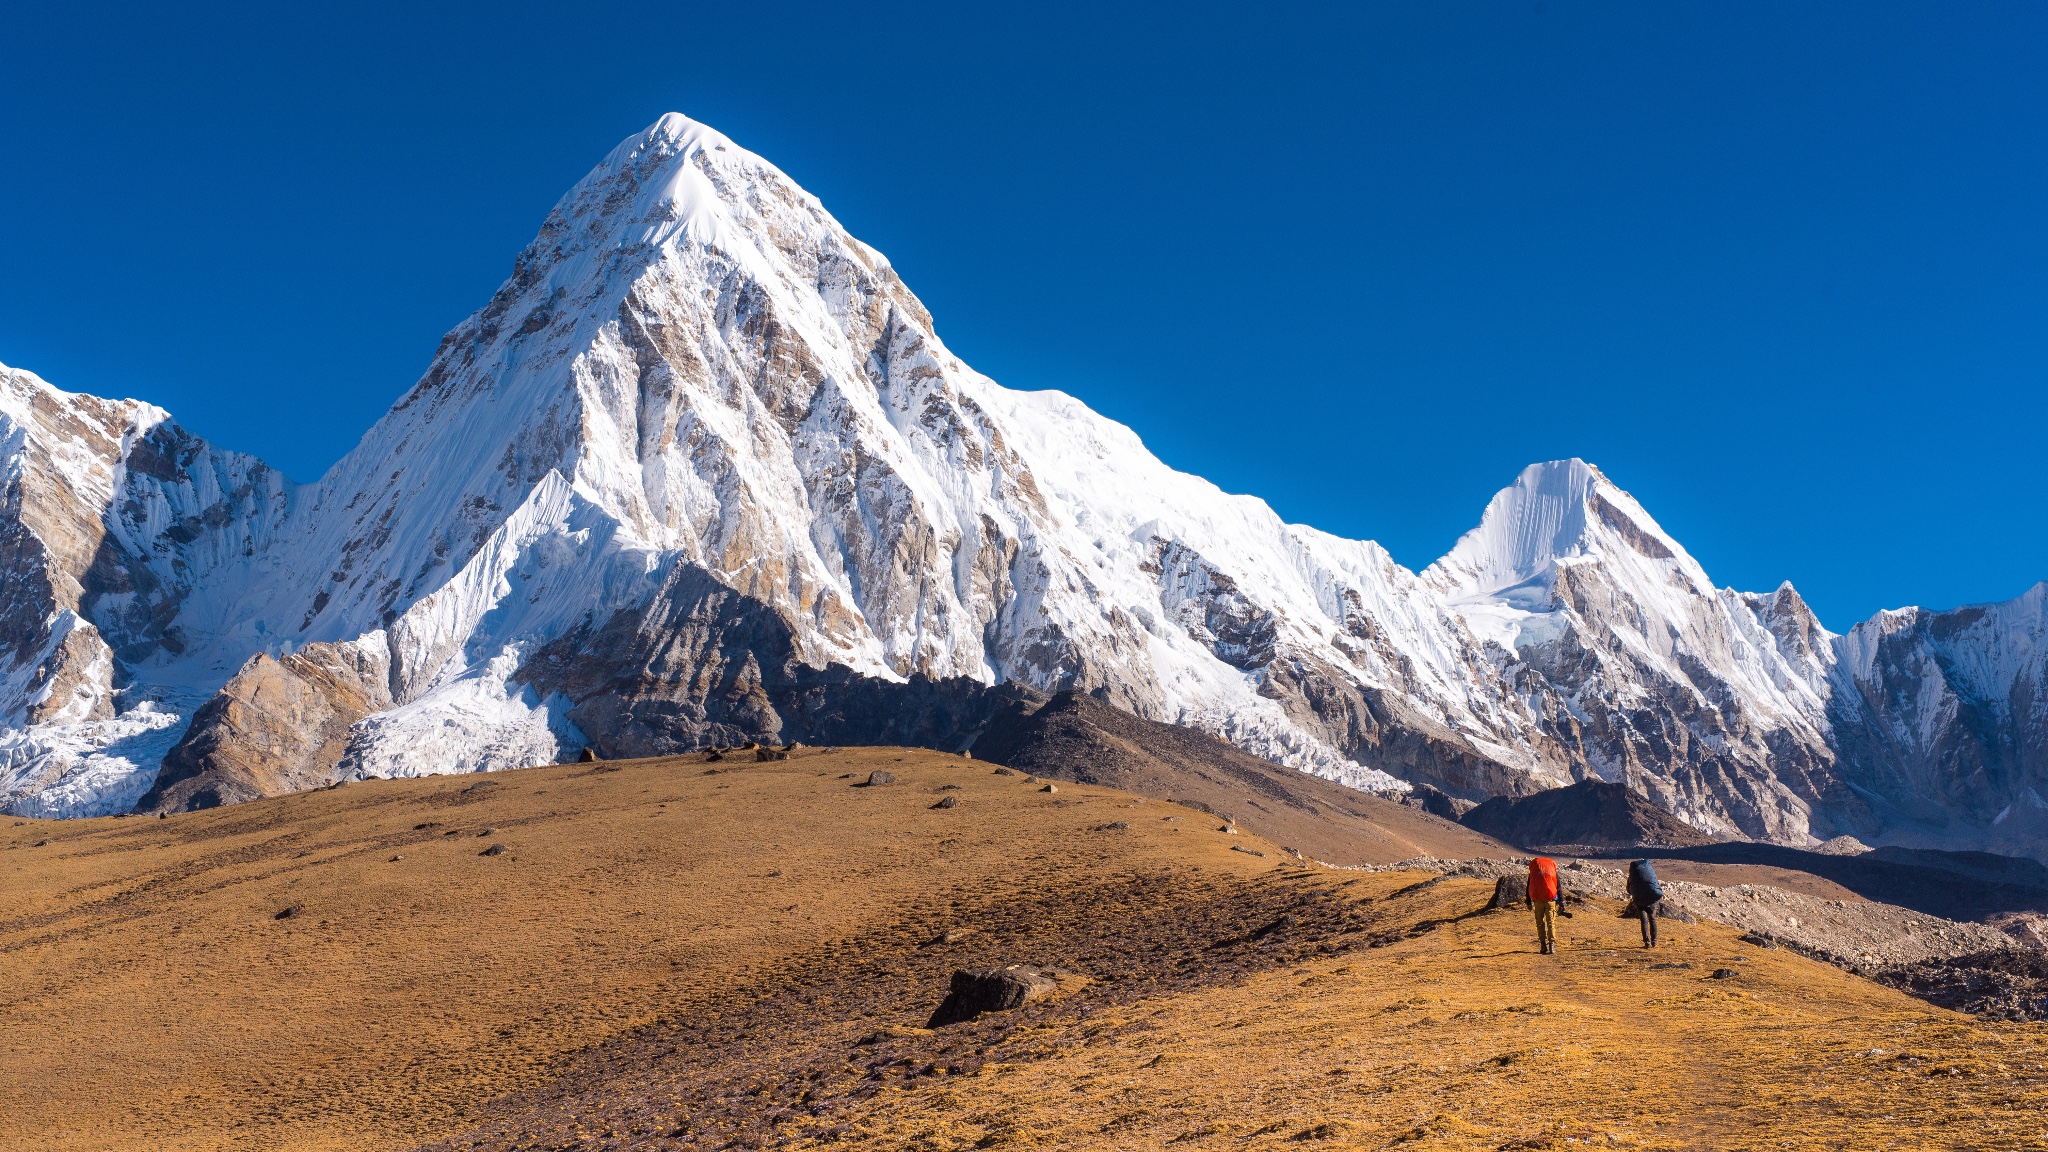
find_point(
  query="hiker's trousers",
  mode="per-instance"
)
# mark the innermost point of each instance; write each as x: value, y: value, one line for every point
x: 1546, y: 923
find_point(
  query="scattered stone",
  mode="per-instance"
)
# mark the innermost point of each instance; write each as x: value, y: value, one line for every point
x: 452, y: 832
x: 427, y: 825
x: 493, y: 850
x: 1050, y: 788
x: 1112, y: 826
x: 891, y: 1032
x: 163, y: 815
x: 1004, y: 772
x: 40, y: 843
x: 792, y: 746
x: 947, y: 802
x: 1247, y: 851
x: 587, y: 756
x: 749, y: 746
x: 979, y: 990
x: 1666, y: 910
x: 966, y: 755
x: 1759, y: 939
x: 289, y: 911
x: 713, y: 756
x: 877, y: 778
x: 1679, y: 964
x: 394, y: 859
x: 487, y: 831
x: 767, y: 754
x: 1723, y: 974
x: 479, y: 786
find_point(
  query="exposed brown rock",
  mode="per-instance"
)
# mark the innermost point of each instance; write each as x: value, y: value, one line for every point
x: 279, y: 726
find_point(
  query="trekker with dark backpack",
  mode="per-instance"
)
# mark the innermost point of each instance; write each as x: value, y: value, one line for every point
x: 1546, y: 898
x: 1643, y: 895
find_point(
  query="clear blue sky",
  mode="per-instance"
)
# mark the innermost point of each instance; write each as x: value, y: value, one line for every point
x: 1780, y: 269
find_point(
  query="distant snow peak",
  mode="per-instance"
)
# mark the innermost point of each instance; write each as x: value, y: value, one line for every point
x: 702, y: 471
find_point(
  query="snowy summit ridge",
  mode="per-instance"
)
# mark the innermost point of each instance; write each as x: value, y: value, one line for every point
x: 703, y: 471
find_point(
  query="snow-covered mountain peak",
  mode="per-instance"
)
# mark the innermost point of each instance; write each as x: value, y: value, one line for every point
x: 1560, y: 510
x: 702, y: 472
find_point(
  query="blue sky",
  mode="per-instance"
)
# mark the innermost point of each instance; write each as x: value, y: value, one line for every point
x: 1781, y: 270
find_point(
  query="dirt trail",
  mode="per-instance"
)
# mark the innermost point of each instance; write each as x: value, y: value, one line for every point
x: 669, y: 954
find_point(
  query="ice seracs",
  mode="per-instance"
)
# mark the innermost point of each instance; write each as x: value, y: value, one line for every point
x: 702, y: 469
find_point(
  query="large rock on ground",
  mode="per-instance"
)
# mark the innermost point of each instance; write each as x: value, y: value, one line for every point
x: 979, y: 990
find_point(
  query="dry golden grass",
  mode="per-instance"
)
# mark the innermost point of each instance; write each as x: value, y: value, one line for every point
x: 151, y: 998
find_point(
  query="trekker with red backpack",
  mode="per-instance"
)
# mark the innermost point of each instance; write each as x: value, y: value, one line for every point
x: 1547, y: 899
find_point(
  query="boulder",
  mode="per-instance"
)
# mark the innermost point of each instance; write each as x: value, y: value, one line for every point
x: 979, y: 990
x: 876, y: 779
x: 946, y: 802
x: 1509, y: 891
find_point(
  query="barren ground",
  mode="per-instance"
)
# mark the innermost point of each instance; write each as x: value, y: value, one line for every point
x: 662, y: 957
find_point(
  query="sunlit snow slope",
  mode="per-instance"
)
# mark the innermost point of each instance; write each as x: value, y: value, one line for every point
x: 702, y: 471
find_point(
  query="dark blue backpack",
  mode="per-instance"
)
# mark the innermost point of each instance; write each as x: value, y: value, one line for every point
x: 1642, y: 882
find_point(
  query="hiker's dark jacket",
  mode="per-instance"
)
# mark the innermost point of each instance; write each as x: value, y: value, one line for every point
x: 1643, y: 889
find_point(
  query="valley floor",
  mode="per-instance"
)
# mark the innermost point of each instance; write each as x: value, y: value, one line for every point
x: 675, y: 954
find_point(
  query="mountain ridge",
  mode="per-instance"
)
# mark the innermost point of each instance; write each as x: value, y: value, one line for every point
x: 701, y: 422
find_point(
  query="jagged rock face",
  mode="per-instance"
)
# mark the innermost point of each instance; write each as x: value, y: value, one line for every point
x: 278, y: 726
x: 1631, y: 666
x: 702, y: 471
x: 1943, y: 718
x: 113, y: 521
x: 703, y: 665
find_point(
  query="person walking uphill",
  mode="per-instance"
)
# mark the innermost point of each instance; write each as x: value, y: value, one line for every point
x: 1546, y: 898
x: 1643, y: 895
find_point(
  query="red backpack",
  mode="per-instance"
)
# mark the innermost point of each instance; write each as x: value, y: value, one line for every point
x: 1542, y: 879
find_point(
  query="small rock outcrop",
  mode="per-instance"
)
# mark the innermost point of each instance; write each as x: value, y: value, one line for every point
x: 877, y: 778
x: 979, y: 990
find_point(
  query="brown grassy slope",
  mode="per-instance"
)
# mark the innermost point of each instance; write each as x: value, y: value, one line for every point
x: 1074, y: 737
x: 662, y: 949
